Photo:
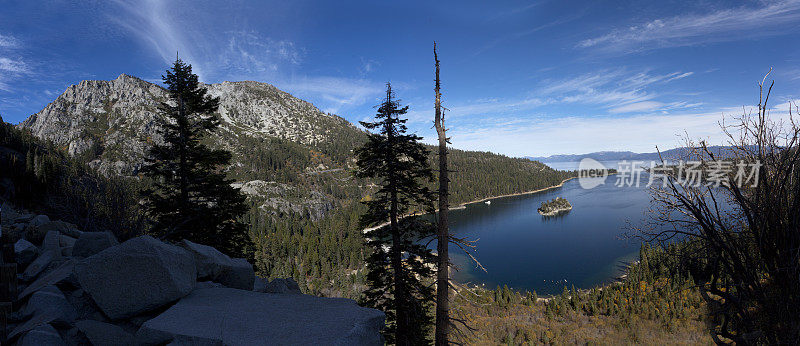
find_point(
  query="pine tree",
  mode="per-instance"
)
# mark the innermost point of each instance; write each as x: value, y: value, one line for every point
x: 191, y: 197
x: 398, y: 264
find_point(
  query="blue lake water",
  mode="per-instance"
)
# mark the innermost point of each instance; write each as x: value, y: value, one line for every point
x: 521, y: 249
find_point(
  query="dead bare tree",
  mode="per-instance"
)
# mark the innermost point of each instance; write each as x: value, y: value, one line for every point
x: 443, y: 234
x: 744, y: 238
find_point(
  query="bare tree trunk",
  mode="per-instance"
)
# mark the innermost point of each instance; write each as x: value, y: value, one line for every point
x: 442, y: 275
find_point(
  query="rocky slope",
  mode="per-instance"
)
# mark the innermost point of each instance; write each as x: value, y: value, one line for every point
x: 110, y: 124
x: 85, y: 288
x: 112, y: 121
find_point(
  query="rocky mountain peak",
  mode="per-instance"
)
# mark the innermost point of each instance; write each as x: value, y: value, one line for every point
x: 113, y: 121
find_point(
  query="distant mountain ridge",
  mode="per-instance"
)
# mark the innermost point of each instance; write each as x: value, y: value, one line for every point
x: 293, y: 161
x: 288, y: 156
x: 671, y: 154
x: 112, y: 121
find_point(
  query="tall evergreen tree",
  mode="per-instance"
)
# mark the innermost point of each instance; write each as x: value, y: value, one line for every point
x: 398, y: 264
x: 191, y: 197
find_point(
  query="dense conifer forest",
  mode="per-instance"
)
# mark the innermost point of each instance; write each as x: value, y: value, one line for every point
x: 324, y: 254
x: 40, y: 176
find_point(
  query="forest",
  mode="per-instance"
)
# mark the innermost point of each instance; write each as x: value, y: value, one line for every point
x: 325, y: 256
x: 657, y: 300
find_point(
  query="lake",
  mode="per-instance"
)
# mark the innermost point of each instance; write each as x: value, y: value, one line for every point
x: 520, y: 248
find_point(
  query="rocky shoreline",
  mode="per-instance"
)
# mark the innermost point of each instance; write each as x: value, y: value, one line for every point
x: 86, y: 288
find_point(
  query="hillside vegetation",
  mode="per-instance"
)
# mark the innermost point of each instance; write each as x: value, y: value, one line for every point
x: 657, y: 303
x: 292, y: 161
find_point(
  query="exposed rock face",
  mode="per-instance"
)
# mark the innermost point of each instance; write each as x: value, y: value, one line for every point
x: 287, y: 285
x: 40, y: 263
x: 284, y: 198
x: 226, y: 316
x: 56, y: 276
x: 62, y: 227
x: 117, y: 118
x: 50, y: 300
x: 42, y: 335
x: 215, y: 266
x: 90, y: 243
x: 52, y: 242
x: 104, y: 334
x: 113, y: 123
x: 124, y: 295
x: 138, y: 275
x: 39, y: 220
x: 25, y: 252
x: 88, y: 110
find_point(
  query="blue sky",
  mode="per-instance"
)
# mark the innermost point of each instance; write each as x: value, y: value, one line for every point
x: 520, y: 78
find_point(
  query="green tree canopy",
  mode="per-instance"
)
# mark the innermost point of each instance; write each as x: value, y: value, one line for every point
x: 398, y: 263
x: 191, y: 197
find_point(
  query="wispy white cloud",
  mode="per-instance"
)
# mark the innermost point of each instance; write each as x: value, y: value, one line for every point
x: 576, y: 134
x: 520, y: 34
x: 652, y: 106
x: 515, y: 11
x: 368, y: 65
x: 691, y: 29
x: 11, y: 67
x: 341, y: 93
x: 644, y: 106
x: 218, y: 55
x: 7, y: 41
x: 247, y: 53
x: 150, y: 21
x: 617, y: 91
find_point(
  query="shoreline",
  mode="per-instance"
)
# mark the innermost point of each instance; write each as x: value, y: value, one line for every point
x: 464, y: 205
x: 513, y: 194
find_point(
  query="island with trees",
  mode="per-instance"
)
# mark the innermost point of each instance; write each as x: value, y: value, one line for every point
x: 554, y: 207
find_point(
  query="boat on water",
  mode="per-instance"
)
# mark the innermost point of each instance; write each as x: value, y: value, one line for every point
x: 488, y: 202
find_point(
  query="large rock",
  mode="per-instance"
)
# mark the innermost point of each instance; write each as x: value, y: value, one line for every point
x: 50, y: 300
x: 227, y: 316
x: 56, y: 276
x: 35, y: 229
x: 66, y: 241
x: 84, y: 306
x: 215, y: 266
x: 39, y: 220
x: 35, y: 268
x: 90, y: 243
x: 62, y: 227
x: 260, y: 284
x: 104, y: 334
x: 25, y: 252
x: 42, y: 335
x: 138, y: 275
x: 32, y: 323
x: 287, y: 285
x: 52, y: 242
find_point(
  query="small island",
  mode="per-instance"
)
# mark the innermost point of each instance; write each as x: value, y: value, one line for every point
x: 554, y: 207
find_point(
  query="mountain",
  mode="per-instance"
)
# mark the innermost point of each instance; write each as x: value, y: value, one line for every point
x: 293, y: 161
x: 287, y: 154
x: 275, y: 138
x: 112, y: 121
x: 673, y: 154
